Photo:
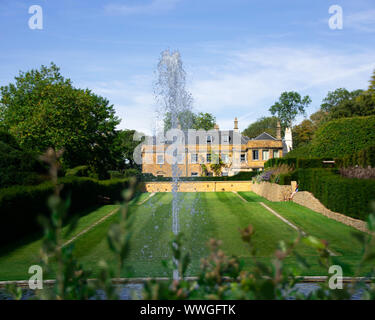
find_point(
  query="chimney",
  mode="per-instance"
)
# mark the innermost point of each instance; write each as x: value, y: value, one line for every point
x: 216, y: 127
x: 235, y: 124
x: 278, y: 130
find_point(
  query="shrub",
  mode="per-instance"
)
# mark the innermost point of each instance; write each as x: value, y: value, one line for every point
x: 17, y: 167
x: 275, y: 162
x: 351, y: 197
x: 80, y: 171
x: 241, y: 176
x: 21, y: 205
x: 124, y: 174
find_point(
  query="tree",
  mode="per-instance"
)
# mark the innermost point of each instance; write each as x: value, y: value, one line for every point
x: 204, y: 121
x: 337, y: 97
x: 190, y: 120
x: 372, y: 83
x: 124, y: 149
x: 217, y: 164
x: 290, y: 104
x: 264, y: 124
x: 42, y: 109
x: 303, y: 133
x: 319, y: 117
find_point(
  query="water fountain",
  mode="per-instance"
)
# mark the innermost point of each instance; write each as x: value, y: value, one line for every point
x: 176, y: 102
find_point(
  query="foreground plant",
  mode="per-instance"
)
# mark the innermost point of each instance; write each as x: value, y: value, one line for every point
x: 220, y: 276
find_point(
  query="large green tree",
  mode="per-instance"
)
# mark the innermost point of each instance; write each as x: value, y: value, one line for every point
x: 337, y: 97
x: 190, y: 120
x: 290, y: 105
x: 124, y: 147
x: 264, y: 124
x: 42, y: 109
x: 303, y: 133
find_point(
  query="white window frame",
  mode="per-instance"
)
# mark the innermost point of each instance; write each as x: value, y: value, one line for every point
x: 244, y: 157
x: 225, y: 158
x: 225, y: 138
x: 277, y: 155
x: 157, y: 159
x: 209, y: 139
x: 265, y: 152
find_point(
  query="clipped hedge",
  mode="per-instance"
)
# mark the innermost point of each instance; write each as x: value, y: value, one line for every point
x: 342, y: 137
x: 21, y: 205
x: 300, y: 163
x: 351, y: 197
x: 364, y: 158
x: 275, y: 162
x: 241, y: 176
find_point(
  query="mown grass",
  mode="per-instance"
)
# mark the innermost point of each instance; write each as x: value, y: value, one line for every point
x: 202, y: 216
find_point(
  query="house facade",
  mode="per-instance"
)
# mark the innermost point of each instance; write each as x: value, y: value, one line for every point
x: 200, y: 153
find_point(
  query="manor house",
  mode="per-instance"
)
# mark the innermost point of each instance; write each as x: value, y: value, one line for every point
x: 200, y: 155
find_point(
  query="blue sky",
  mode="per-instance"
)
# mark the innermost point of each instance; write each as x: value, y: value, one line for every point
x: 240, y: 55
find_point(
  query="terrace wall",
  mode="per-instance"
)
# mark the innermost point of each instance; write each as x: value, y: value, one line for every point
x: 199, y: 186
x: 271, y: 191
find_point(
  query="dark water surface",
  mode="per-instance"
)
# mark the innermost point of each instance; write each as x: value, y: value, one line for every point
x: 134, y: 291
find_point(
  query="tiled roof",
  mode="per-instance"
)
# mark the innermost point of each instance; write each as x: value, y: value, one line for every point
x: 264, y: 136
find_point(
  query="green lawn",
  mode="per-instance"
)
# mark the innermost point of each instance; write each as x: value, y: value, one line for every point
x: 202, y: 216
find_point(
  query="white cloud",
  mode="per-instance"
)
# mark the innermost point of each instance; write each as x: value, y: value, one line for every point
x: 153, y: 7
x: 254, y: 79
x: 362, y: 21
x: 245, y: 83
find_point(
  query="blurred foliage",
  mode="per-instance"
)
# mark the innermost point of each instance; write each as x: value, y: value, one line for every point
x: 220, y: 276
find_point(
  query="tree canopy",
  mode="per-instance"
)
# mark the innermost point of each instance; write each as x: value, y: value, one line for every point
x: 42, y: 109
x: 290, y: 105
x: 190, y: 120
x: 264, y: 124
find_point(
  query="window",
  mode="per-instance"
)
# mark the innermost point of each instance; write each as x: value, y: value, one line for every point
x: 225, y: 158
x: 194, y: 158
x: 208, y: 157
x: 255, y: 155
x: 266, y: 155
x: 181, y: 158
x: 209, y: 139
x: 224, y: 174
x: 194, y: 174
x: 225, y: 138
x: 243, y: 157
x: 160, y: 159
x: 275, y: 153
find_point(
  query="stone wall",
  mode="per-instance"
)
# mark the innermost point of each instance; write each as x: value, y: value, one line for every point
x: 199, y: 186
x: 271, y: 191
x: 307, y: 199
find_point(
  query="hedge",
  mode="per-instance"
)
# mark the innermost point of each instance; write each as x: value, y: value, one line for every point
x: 343, y: 137
x: 241, y: 176
x: 364, y: 158
x: 21, y: 205
x: 298, y: 163
x: 351, y: 197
